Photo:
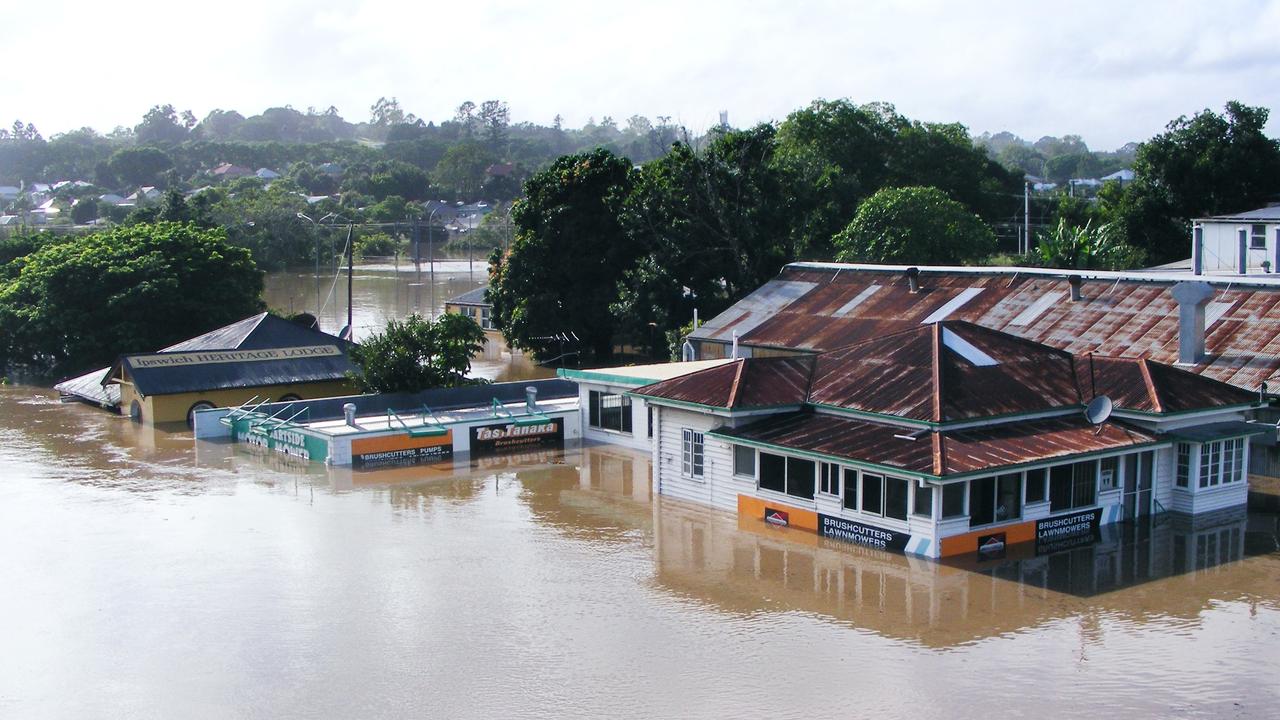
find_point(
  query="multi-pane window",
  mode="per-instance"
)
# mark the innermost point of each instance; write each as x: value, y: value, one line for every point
x: 828, y: 478
x: 1221, y: 462
x: 995, y: 499
x: 1184, y: 465
x: 1035, y: 485
x: 885, y: 496
x: 793, y: 476
x: 691, y: 454
x: 1072, y: 486
x: 609, y: 411
x: 1258, y: 237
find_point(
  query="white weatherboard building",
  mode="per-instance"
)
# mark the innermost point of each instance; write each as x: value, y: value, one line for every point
x: 610, y: 414
x: 1242, y: 243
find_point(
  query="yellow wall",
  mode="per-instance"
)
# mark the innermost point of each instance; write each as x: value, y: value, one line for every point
x: 174, y: 408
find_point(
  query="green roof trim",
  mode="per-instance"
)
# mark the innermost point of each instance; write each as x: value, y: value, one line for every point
x: 602, y: 377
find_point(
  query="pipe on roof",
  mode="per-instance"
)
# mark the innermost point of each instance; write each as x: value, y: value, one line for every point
x: 1075, y: 281
x: 913, y: 279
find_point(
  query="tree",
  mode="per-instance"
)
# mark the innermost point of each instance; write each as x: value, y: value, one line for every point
x: 495, y: 116
x: 136, y: 166
x: 569, y: 252
x: 85, y: 210
x: 461, y: 170
x: 1087, y: 247
x: 714, y: 225
x: 914, y: 225
x: 162, y: 126
x: 386, y: 112
x: 80, y: 303
x: 417, y: 354
x: 1205, y: 165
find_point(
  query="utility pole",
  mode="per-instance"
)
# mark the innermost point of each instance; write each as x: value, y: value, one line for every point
x: 1026, y: 218
x: 351, y: 254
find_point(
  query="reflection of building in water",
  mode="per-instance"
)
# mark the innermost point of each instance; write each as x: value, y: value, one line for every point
x: 745, y: 566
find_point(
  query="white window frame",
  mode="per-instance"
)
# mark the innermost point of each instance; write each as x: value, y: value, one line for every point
x: 755, y: 461
x: 836, y: 471
x: 692, y: 454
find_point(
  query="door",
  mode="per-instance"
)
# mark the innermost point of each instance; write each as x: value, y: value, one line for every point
x: 1138, y: 485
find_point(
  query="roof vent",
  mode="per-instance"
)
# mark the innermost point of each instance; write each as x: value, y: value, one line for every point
x: 1192, y: 297
x: 913, y: 279
x: 1076, y: 281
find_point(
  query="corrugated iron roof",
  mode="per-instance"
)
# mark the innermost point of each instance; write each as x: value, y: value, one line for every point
x: 260, y: 331
x: 471, y: 297
x: 1122, y: 315
x: 740, y: 384
x: 940, y: 453
x: 947, y: 372
x: 89, y: 388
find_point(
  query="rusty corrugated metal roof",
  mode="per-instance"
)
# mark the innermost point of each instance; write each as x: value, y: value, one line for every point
x: 1146, y: 386
x: 739, y: 384
x: 940, y: 453
x: 1122, y: 315
x: 943, y: 372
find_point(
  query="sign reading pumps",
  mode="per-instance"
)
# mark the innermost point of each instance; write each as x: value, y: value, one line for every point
x: 501, y: 437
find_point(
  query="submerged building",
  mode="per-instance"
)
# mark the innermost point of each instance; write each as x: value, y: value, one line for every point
x: 259, y: 358
x: 948, y: 438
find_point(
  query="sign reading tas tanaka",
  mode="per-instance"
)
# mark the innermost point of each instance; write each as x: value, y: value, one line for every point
x: 489, y: 439
x: 856, y: 532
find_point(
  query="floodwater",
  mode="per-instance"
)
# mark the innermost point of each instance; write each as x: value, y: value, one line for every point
x: 379, y: 291
x: 142, y: 577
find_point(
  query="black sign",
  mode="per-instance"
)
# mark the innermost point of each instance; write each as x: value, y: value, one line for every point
x: 1067, y: 531
x: 406, y: 456
x: 855, y: 532
x: 503, y: 437
x: 777, y: 517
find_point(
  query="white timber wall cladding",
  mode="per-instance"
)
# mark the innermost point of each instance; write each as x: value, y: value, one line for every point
x: 1165, y: 469
x: 714, y: 487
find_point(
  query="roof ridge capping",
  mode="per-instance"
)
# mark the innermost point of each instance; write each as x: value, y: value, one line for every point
x: 1057, y: 273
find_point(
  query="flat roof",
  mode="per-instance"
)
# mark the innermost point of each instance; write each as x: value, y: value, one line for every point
x: 419, y: 420
x: 637, y: 375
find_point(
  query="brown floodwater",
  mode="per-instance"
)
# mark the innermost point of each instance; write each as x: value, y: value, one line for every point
x: 143, y: 577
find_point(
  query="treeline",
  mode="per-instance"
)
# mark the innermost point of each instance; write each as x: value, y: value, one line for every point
x: 1055, y: 159
x: 172, y: 149
x: 703, y: 226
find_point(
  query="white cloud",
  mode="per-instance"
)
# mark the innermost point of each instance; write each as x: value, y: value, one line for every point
x: 1109, y: 71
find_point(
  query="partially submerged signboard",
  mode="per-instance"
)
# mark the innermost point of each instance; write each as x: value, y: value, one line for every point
x: 289, y: 440
x: 502, y: 437
x: 402, y: 449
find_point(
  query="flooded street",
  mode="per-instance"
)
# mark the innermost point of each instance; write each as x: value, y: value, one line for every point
x: 144, y: 578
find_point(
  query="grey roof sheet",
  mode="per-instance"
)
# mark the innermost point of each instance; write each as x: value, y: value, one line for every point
x: 1266, y: 213
x: 260, y: 331
x: 89, y: 388
x: 471, y: 297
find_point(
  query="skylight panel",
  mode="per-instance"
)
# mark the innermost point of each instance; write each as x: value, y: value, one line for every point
x: 966, y: 349
x: 952, y: 305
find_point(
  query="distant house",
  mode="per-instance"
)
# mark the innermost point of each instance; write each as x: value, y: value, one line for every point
x: 9, y: 192
x: 1121, y: 176
x: 438, y: 211
x: 113, y: 199
x: 71, y: 183
x: 146, y: 193
x: 267, y: 174
x: 500, y: 170
x: 46, y: 208
x: 8, y: 220
x: 474, y: 305
x: 41, y: 188
x: 329, y: 168
x: 227, y: 171
x: 1240, y: 242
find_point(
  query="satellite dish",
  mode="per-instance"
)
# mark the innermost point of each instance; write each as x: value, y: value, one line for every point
x: 1098, y: 410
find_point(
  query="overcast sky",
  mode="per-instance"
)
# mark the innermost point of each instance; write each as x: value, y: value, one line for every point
x: 1110, y: 71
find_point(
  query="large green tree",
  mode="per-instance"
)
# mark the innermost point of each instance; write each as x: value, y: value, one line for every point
x: 569, y: 251
x: 914, y: 225
x: 714, y: 226
x: 1208, y: 164
x: 78, y: 304
x: 417, y: 354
